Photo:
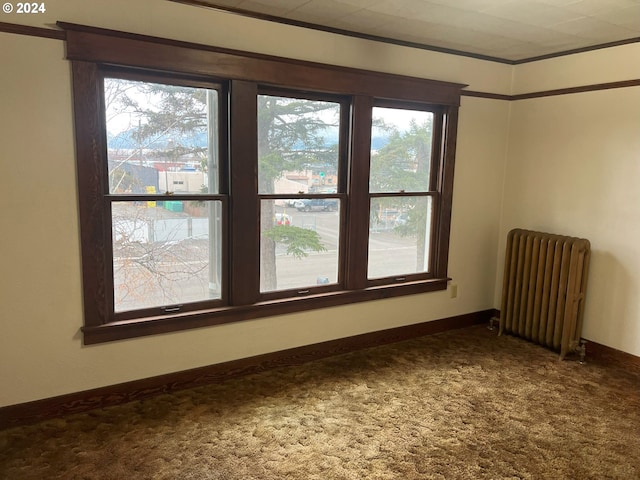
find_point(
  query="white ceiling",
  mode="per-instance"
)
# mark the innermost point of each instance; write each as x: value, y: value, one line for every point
x: 507, y: 29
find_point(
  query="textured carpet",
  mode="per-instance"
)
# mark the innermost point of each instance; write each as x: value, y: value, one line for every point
x: 459, y: 405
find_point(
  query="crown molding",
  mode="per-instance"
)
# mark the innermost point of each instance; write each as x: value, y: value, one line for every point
x: 62, y: 35
x: 394, y: 41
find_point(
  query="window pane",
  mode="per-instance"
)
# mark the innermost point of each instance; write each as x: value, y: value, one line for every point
x: 297, y: 145
x: 399, y: 236
x: 160, y: 138
x: 400, y: 150
x: 299, y: 245
x: 165, y: 253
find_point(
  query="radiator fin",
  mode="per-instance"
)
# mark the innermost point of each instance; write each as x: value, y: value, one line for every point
x: 543, y: 293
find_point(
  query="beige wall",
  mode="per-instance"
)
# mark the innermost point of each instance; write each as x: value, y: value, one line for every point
x: 589, y: 68
x: 41, y: 353
x: 574, y: 168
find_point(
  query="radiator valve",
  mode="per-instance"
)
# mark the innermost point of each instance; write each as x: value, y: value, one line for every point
x: 582, y: 350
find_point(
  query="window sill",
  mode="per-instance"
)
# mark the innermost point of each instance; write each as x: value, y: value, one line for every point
x: 165, y: 324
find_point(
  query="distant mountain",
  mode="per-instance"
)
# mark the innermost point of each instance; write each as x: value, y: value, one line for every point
x: 378, y: 142
x: 125, y: 140
x: 198, y: 139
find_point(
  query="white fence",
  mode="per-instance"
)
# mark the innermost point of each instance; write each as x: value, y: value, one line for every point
x: 159, y: 230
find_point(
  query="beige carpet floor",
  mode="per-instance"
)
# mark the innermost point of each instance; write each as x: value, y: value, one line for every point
x: 459, y: 405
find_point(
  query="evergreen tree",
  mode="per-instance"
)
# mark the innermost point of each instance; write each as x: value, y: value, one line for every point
x: 290, y: 137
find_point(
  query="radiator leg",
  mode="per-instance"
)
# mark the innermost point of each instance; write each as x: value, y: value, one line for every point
x: 582, y: 349
x: 491, y: 327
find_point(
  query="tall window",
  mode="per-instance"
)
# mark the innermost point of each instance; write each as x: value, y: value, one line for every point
x: 162, y: 139
x: 300, y: 211
x: 218, y: 186
x: 402, y: 190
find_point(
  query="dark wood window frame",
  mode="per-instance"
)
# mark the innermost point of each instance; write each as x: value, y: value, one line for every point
x: 437, y: 169
x: 243, y: 76
x: 340, y: 195
x: 222, y: 196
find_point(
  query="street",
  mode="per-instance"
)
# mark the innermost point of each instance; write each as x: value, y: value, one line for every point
x: 389, y: 253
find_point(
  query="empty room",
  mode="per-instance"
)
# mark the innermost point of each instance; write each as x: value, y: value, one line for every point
x: 320, y: 239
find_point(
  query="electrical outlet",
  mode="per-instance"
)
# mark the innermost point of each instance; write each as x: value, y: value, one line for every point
x: 453, y: 290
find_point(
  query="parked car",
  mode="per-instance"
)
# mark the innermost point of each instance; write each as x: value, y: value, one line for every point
x: 401, y: 219
x: 317, y: 204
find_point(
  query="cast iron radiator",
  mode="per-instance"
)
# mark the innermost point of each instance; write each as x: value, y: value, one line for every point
x: 545, y: 281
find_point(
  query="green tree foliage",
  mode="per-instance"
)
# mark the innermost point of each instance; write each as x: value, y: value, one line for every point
x: 175, y: 110
x: 403, y: 163
x: 297, y: 240
x: 289, y: 138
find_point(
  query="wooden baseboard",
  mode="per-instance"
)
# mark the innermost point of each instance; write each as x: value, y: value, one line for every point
x: 607, y: 356
x: 611, y: 357
x: 30, y: 412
